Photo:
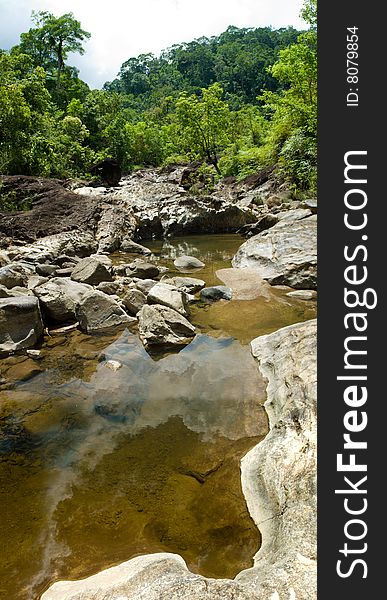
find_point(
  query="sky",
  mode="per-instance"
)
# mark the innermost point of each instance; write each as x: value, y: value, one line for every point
x: 124, y: 28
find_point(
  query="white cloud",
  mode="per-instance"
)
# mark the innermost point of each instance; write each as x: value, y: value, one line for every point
x: 124, y: 28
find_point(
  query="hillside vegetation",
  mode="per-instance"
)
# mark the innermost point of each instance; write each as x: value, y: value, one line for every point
x: 239, y: 102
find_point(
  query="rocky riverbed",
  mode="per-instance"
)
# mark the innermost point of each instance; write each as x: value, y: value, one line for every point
x: 100, y: 273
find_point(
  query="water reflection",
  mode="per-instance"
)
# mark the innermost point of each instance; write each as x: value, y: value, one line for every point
x: 120, y: 443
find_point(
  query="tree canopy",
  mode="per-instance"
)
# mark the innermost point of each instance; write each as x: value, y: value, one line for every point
x: 240, y: 101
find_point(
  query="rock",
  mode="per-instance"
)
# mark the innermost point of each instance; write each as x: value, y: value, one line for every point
x: 167, y: 295
x: 285, y: 254
x: 15, y: 291
x: 13, y: 274
x: 216, y: 292
x: 121, y: 269
x: 133, y: 301
x: 59, y: 298
x: 128, y: 245
x: 113, y: 365
x: 4, y: 259
x: 49, y: 248
x: 279, y: 474
x: 23, y: 371
x: 36, y: 280
x: 263, y: 223
x: 160, y: 576
x: 303, y: 294
x: 115, y: 223
x: 35, y: 354
x: 110, y: 288
x: 189, y: 285
x: 163, y: 326
x: 188, y: 262
x: 108, y: 170
x: 143, y: 270
x: 64, y: 272
x: 21, y: 323
x: 91, y: 271
x: 46, y: 270
x: 61, y: 330
x: 145, y: 285
x: 97, y: 311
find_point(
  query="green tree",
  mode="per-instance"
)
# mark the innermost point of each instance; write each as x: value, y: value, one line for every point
x: 204, y: 123
x: 51, y: 40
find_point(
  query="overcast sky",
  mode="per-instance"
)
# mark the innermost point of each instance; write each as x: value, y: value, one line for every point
x: 124, y: 28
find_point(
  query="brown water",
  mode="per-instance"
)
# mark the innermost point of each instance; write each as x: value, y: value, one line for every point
x: 97, y: 465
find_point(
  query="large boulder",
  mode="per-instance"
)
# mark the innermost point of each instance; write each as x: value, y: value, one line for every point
x: 279, y: 474
x: 97, y: 311
x: 91, y: 270
x: 59, y: 298
x: 163, y: 326
x: 167, y: 295
x: 21, y: 323
x: 285, y: 254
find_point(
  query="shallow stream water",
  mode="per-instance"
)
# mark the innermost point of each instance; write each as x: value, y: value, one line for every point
x: 98, y: 465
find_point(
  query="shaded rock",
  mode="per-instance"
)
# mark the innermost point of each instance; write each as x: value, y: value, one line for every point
x: 167, y: 295
x: 188, y: 262
x: 111, y: 287
x: 121, y: 269
x: 59, y: 298
x: 133, y: 301
x: 303, y: 294
x: 216, y: 292
x: 91, y: 271
x: 97, y: 311
x: 23, y: 371
x: 46, y: 270
x: 108, y: 170
x: 279, y: 474
x: 53, y: 209
x: 145, y: 285
x: 263, y: 223
x: 143, y: 270
x: 15, y: 291
x: 285, y: 254
x: 163, y: 326
x: 21, y: 323
x: 128, y: 245
x: 189, y: 285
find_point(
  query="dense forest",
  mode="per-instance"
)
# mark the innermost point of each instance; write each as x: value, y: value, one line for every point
x: 240, y: 102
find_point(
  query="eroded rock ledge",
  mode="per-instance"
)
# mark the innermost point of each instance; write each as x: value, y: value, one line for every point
x: 278, y: 478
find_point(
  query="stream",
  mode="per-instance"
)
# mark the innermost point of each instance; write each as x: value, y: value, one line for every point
x: 108, y: 452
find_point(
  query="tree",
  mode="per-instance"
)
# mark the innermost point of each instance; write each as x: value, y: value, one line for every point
x: 204, y: 123
x: 50, y: 42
